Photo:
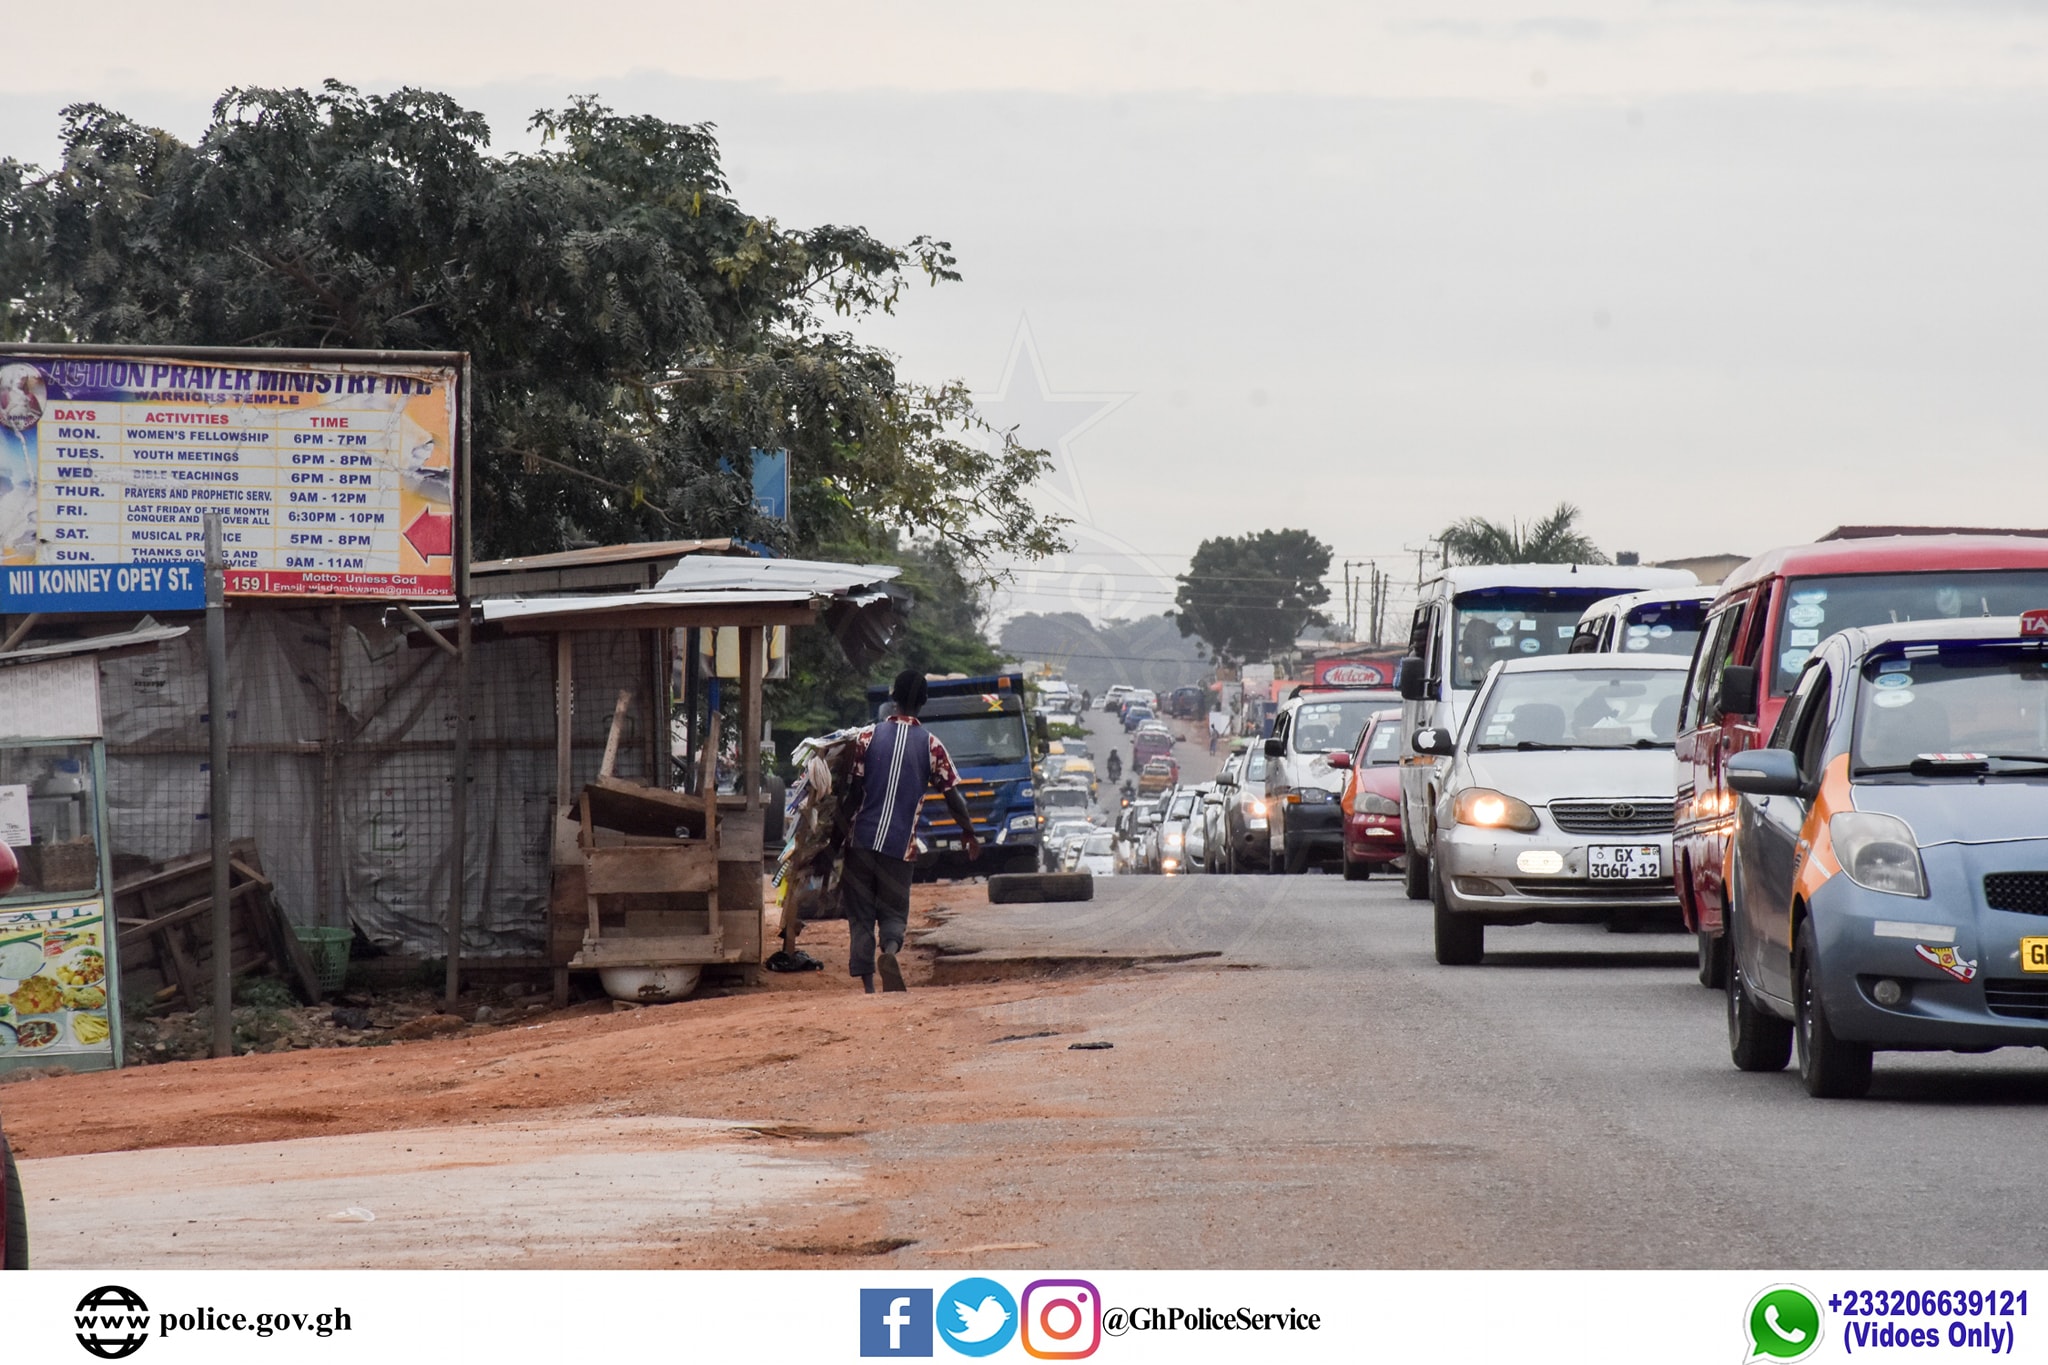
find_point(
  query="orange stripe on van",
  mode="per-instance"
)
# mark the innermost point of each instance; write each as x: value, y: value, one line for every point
x: 1817, y: 860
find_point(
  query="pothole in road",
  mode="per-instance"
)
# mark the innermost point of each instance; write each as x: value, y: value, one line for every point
x: 955, y: 969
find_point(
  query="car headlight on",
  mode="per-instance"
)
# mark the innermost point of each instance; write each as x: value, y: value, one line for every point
x: 1173, y: 841
x: 1372, y: 803
x: 1878, y: 852
x: 1256, y: 807
x: 1489, y: 809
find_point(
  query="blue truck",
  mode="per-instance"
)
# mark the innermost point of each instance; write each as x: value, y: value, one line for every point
x: 986, y: 727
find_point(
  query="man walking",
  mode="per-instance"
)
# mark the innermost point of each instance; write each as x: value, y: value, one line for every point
x: 894, y: 761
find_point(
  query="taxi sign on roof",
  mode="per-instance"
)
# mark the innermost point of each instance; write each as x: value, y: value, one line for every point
x: 2034, y: 622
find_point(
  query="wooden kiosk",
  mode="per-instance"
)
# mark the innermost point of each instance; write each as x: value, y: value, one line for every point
x: 645, y: 876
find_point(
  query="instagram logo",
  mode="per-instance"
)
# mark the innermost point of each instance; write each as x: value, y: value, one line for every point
x: 1061, y: 1319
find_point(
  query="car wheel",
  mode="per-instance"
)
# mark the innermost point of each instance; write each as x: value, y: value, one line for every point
x: 1713, y: 959
x: 16, y: 1214
x: 1460, y: 939
x: 1415, y: 877
x: 1756, y: 1041
x: 1355, y: 871
x: 1831, y: 1068
x: 1297, y: 859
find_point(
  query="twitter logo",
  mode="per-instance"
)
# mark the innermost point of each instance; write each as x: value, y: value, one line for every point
x: 977, y: 1317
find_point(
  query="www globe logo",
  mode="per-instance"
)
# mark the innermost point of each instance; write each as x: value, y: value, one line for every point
x: 112, y: 1322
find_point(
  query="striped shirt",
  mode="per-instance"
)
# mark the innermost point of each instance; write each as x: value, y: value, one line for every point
x: 897, y: 759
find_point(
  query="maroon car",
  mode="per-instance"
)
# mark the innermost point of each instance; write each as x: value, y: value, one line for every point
x: 1372, y: 796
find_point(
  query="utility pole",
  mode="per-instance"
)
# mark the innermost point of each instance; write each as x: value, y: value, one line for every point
x: 1350, y: 620
x: 218, y: 791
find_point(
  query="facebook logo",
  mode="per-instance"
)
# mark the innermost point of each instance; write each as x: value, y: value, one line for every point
x: 895, y: 1322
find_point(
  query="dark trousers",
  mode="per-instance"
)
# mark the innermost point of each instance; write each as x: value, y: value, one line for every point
x: 875, y: 889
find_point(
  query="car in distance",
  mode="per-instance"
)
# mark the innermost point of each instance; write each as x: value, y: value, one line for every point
x: 1247, y: 845
x: 1173, y: 831
x: 1098, y: 854
x: 1303, y: 790
x: 1157, y: 776
x: 1557, y: 804
x: 1371, y: 804
x: 1890, y: 871
x: 1770, y: 615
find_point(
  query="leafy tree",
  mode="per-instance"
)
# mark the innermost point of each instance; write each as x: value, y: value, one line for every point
x: 634, y: 331
x: 1247, y: 596
x: 1553, y: 540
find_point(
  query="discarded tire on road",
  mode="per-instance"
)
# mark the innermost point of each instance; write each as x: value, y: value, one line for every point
x: 1016, y: 888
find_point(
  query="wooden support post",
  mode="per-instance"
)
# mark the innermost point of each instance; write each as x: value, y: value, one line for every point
x: 458, y: 796
x: 751, y: 646
x: 611, y: 739
x: 565, y: 700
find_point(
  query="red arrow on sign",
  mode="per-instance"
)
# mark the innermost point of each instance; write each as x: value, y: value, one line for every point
x: 431, y: 534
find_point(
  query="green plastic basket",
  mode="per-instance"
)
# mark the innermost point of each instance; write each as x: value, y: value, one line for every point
x: 329, y: 950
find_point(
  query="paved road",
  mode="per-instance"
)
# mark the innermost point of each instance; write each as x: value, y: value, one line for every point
x: 1325, y: 1095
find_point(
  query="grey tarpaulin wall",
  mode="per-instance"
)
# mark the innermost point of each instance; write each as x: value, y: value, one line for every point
x: 343, y: 742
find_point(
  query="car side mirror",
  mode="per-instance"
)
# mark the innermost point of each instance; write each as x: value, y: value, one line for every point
x: 1765, y: 772
x: 1040, y: 731
x: 1432, y: 740
x: 1738, y: 690
x: 1340, y: 760
x: 1276, y: 748
x: 1408, y: 678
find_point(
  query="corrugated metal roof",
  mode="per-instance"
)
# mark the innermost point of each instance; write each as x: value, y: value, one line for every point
x: 146, y: 632
x: 533, y: 608
x: 707, y: 572
x: 597, y: 555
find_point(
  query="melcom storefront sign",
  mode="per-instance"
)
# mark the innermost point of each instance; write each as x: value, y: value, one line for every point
x: 334, y: 478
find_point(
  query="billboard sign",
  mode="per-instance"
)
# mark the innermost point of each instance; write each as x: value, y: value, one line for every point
x: 1365, y: 672
x: 332, y: 477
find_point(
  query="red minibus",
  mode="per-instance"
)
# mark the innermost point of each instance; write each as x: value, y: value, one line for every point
x: 1770, y: 614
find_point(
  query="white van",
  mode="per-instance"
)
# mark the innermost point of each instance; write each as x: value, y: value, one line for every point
x: 1470, y: 616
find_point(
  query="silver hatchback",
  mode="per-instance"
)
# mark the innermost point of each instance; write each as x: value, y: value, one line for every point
x: 1557, y: 806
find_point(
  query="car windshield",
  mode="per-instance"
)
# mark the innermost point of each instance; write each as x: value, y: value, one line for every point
x: 1100, y: 846
x: 1056, y: 797
x: 1385, y: 744
x: 1664, y: 628
x: 1182, y: 804
x: 1977, y: 706
x: 1509, y: 623
x: 1322, y: 726
x: 1582, y: 708
x: 1818, y: 607
x: 981, y: 741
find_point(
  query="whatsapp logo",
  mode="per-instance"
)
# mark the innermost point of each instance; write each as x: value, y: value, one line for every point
x: 1783, y: 1324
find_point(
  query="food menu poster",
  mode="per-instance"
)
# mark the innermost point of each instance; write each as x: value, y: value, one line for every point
x: 334, y: 480
x: 54, y: 987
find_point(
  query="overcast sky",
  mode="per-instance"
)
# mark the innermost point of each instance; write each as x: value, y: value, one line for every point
x: 1725, y: 275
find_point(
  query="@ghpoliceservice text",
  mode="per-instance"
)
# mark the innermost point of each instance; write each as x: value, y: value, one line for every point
x: 1117, y: 1321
